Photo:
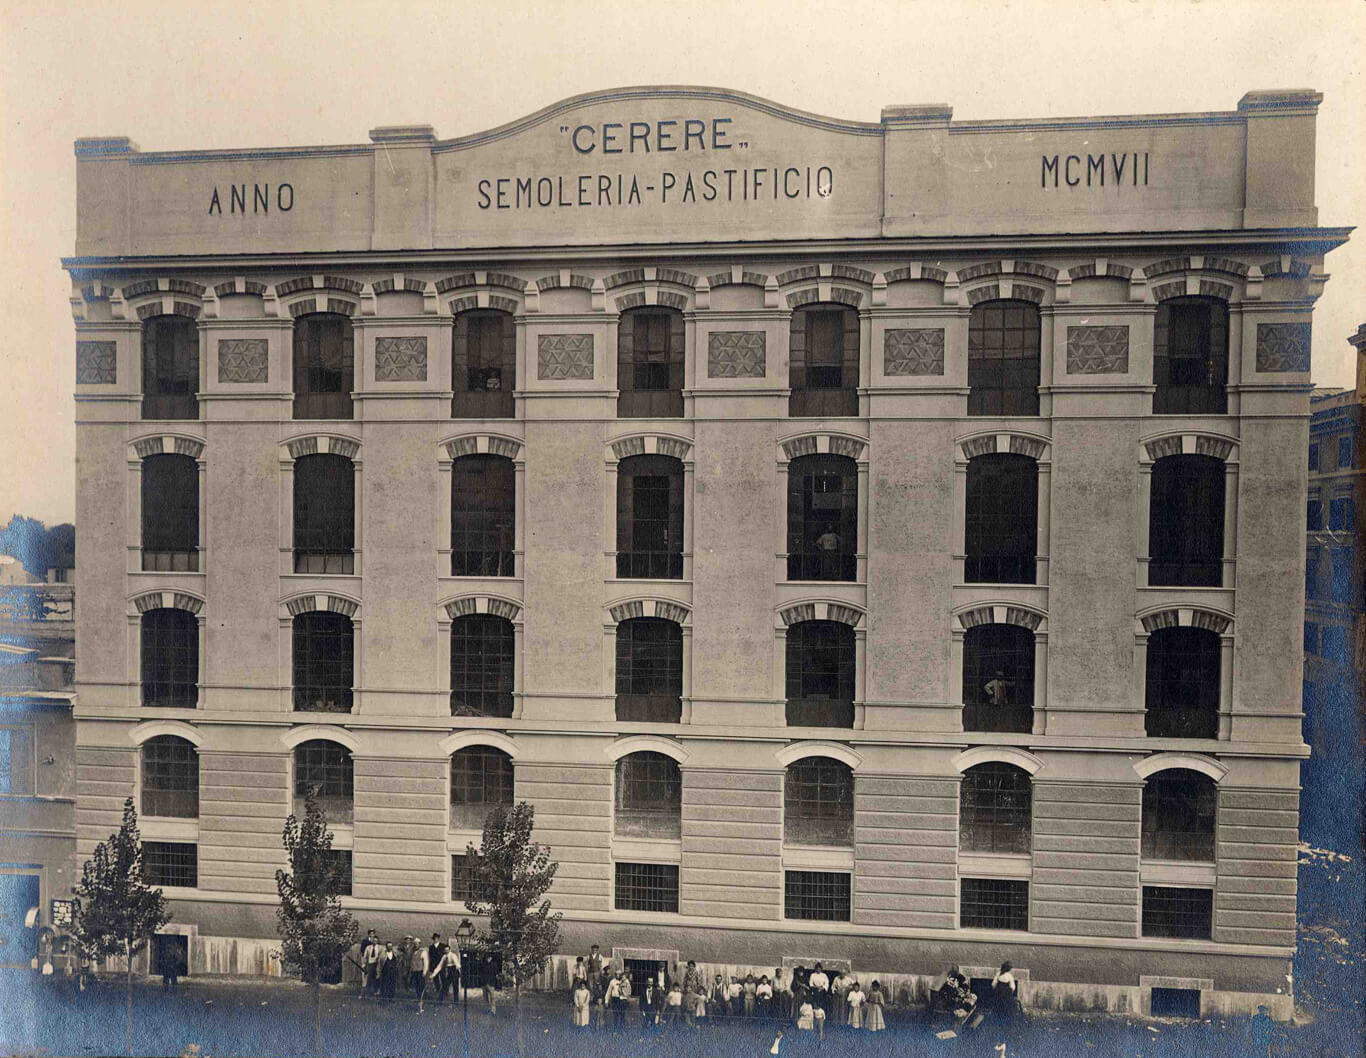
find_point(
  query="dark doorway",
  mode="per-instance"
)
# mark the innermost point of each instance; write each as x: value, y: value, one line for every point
x: 168, y: 949
x: 1176, y: 1003
x: 641, y: 970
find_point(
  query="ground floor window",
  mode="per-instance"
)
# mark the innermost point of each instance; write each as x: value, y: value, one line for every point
x: 1169, y: 912
x: 341, y: 864
x: 822, y: 895
x: 462, y: 878
x: 170, y: 863
x: 993, y: 903
x: 647, y: 887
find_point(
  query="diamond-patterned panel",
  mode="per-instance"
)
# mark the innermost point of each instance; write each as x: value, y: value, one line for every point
x: 736, y: 354
x: 564, y: 356
x: 1283, y: 346
x: 1098, y: 350
x: 401, y: 359
x: 913, y: 351
x: 96, y: 364
x: 243, y: 359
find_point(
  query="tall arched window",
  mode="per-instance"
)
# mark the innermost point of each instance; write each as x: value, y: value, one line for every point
x: 325, y: 769
x: 994, y: 808
x: 818, y: 802
x: 481, y: 665
x: 820, y: 674
x: 483, y: 516
x: 1178, y: 816
x: 1186, y: 522
x: 823, y: 361
x: 650, y: 343
x: 1183, y: 679
x: 1003, y: 358
x: 998, y: 678
x: 170, y: 367
x: 170, y: 659
x: 170, y: 513
x: 170, y: 777
x: 650, y: 517
x: 649, y: 796
x: 822, y: 518
x: 324, y: 366
x: 324, y: 646
x: 483, y: 364
x: 650, y: 670
x: 1190, y: 357
x: 324, y: 514
x: 481, y: 781
x: 1001, y: 524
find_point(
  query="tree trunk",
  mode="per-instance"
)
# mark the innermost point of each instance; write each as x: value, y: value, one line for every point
x: 517, y: 1011
x: 318, y: 1018
x: 128, y: 1004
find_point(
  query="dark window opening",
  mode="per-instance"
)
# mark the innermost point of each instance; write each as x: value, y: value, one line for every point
x: 817, y: 895
x: 481, y: 782
x: 820, y: 674
x: 823, y: 362
x: 1313, y: 458
x: 483, y: 365
x: 483, y: 516
x: 462, y: 878
x: 649, y: 797
x: 993, y: 903
x: 170, y: 368
x: 339, y: 860
x: 1190, y: 357
x: 170, y: 863
x: 170, y: 659
x: 1313, y: 557
x: 818, y: 803
x: 324, y: 361
x: 170, y: 778
x: 1182, y: 685
x: 1342, y: 514
x: 1175, y: 1003
x: 481, y: 665
x: 649, y: 670
x: 1313, y: 515
x: 994, y: 809
x: 650, y: 517
x: 1344, y: 583
x: 1178, y: 816
x: 170, y: 513
x: 1346, y: 453
x: 822, y: 518
x: 1170, y: 912
x: 998, y: 678
x: 323, y: 667
x: 324, y: 514
x: 1311, y: 638
x: 1001, y: 527
x: 650, y: 344
x: 325, y: 769
x: 1186, y: 522
x: 646, y: 887
x: 1003, y: 358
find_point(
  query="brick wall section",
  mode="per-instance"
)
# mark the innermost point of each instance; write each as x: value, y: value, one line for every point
x: 1254, y: 894
x: 243, y: 801
x: 401, y: 813
x: 732, y: 844
x: 905, y: 848
x: 574, y: 817
x: 1086, y: 851
x: 104, y: 778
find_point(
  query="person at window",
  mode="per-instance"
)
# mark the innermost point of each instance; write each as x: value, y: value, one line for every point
x: 493, y: 380
x: 829, y: 541
x: 873, y: 1020
x: 998, y: 689
x: 581, y: 998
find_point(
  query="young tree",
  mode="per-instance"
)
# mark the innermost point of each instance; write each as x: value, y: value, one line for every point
x: 116, y: 911
x: 315, y: 931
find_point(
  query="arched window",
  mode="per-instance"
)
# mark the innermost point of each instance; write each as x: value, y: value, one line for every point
x: 818, y: 802
x: 1178, y: 816
x: 823, y: 361
x: 650, y: 344
x: 994, y: 808
x: 822, y: 518
x: 323, y: 666
x: 820, y: 674
x: 998, y: 678
x: 170, y: 367
x: 650, y: 517
x: 1001, y: 523
x: 481, y: 665
x: 483, y: 516
x: 1003, y: 358
x: 1186, y: 522
x: 170, y: 659
x: 170, y: 513
x: 483, y: 364
x: 650, y: 670
x: 1182, y: 692
x: 324, y: 371
x: 481, y: 781
x: 324, y: 769
x: 649, y: 800
x: 1190, y: 357
x: 170, y: 777
x: 324, y: 514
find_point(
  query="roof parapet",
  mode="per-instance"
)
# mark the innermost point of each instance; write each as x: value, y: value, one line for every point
x: 918, y: 115
x: 104, y: 146
x: 403, y: 134
x: 1302, y: 100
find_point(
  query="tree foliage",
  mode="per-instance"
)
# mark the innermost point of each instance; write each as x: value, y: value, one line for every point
x: 116, y: 911
x: 315, y: 931
x: 38, y: 547
x: 510, y: 875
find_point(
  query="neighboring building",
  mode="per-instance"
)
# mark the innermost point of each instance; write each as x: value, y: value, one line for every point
x: 37, y: 759
x: 859, y: 541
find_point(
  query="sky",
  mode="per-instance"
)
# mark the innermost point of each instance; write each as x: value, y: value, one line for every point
x: 213, y: 75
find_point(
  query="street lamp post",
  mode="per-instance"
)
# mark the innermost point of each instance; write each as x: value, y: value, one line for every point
x: 463, y: 933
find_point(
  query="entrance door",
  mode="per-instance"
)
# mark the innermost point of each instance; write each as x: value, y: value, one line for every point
x: 173, y: 947
x: 640, y: 970
x: 18, y: 894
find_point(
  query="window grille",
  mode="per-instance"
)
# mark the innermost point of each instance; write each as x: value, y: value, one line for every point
x: 818, y: 803
x: 1190, y: 357
x: 649, y: 796
x: 170, y: 778
x: 1001, y: 524
x: 170, y: 659
x: 481, y: 665
x: 1003, y: 358
x: 650, y: 351
x: 649, y: 670
x: 462, y: 878
x: 1186, y: 522
x: 998, y: 678
x: 650, y: 517
x: 325, y: 768
x: 483, y: 365
x: 170, y: 513
x: 324, y: 360
x: 823, y: 361
x: 822, y: 518
x: 483, y: 516
x: 993, y: 903
x: 323, y: 665
x: 816, y: 895
x: 340, y: 862
x: 1170, y: 912
x: 1182, y: 685
x: 646, y: 887
x: 170, y: 367
x: 170, y: 863
x: 1179, y: 816
x: 1313, y: 458
x: 1342, y: 514
x: 324, y: 514
x: 481, y: 781
x: 820, y: 674
x: 994, y: 809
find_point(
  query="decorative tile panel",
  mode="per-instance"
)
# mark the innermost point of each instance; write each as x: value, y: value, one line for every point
x: 564, y: 356
x: 913, y: 351
x: 243, y: 359
x: 736, y: 354
x: 1283, y: 346
x: 401, y: 359
x: 96, y: 364
x: 1098, y: 350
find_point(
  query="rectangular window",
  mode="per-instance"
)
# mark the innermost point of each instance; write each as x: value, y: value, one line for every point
x: 1345, y: 454
x: 1311, y: 638
x: 1313, y: 515
x: 16, y: 760
x: 1171, y: 912
x: 341, y: 860
x: 1344, y: 560
x: 1311, y: 572
x: 1176, y: 1003
x: 170, y: 863
x: 462, y: 878
x: 647, y: 887
x: 1313, y: 459
x: 1342, y: 514
x: 993, y: 903
x: 817, y: 895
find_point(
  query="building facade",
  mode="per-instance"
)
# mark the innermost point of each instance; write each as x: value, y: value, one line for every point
x: 858, y: 541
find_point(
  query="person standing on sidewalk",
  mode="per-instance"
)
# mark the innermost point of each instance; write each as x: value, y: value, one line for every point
x: 580, y: 1003
x: 418, y: 965
x: 446, y: 972
x: 873, y: 1020
x: 387, y: 966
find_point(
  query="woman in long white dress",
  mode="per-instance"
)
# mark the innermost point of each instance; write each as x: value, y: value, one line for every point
x: 582, y: 997
x: 873, y: 1020
x: 855, y: 998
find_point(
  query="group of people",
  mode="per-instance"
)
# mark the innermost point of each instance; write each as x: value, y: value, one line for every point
x: 956, y: 999
x: 421, y: 968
